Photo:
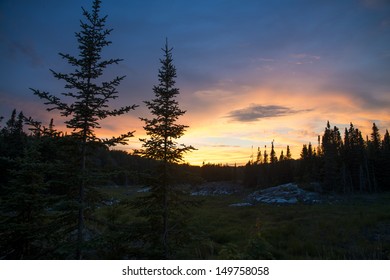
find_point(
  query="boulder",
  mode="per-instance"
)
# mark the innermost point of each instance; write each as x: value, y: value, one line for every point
x: 215, y: 188
x: 284, y: 194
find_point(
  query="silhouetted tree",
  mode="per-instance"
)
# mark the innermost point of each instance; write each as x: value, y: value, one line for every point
x: 354, y: 171
x: 288, y: 153
x: 259, y: 158
x: 164, y: 204
x: 374, y: 150
x: 384, y: 163
x: 375, y: 138
x: 304, y: 153
x: 14, y: 138
x: 331, y: 148
x: 265, y: 156
x: 386, y: 142
x: 273, y: 158
x: 89, y: 97
x: 281, y: 157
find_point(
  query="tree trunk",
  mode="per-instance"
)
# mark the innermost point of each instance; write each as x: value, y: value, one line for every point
x: 80, y: 228
x: 166, y: 210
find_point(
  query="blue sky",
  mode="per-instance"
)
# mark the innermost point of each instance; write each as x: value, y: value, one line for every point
x: 249, y: 72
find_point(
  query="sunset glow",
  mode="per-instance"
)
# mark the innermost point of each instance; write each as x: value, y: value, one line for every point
x: 249, y: 72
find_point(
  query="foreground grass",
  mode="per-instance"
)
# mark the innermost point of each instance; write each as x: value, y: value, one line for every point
x: 354, y: 227
x: 358, y: 227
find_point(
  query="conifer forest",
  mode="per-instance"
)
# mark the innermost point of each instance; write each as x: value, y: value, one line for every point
x: 69, y: 194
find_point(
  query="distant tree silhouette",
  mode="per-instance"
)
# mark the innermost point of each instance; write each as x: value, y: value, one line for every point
x: 89, y: 97
x: 265, y: 155
x: 14, y: 137
x: 386, y: 141
x: 273, y: 158
x: 332, y: 148
x: 281, y: 157
x: 22, y: 207
x: 304, y: 152
x: 288, y: 153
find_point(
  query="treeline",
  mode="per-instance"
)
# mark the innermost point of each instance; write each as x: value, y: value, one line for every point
x: 341, y: 164
x: 39, y: 190
x: 39, y: 186
x: 39, y: 194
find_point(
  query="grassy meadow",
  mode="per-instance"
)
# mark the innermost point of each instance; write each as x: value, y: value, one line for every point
x: 345, y: 227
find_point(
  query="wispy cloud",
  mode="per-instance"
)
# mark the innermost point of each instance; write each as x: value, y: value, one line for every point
x: 303, y: 58
x: 255, y: 112
x: 26, y: 50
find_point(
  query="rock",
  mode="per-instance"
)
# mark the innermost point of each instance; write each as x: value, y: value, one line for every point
x: 111, y: 202
x: 284, y: 194
x: 215, y: 188
x: 243, y: 204
x: 144, y: 190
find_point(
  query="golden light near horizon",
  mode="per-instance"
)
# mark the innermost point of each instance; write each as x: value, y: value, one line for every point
x: 221, y: 139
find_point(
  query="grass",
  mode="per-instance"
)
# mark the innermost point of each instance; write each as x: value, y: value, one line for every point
x: 355, y: 227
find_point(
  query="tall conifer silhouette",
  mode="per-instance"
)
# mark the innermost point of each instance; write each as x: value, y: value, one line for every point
x: 162, y: 145
x: 88, y: 96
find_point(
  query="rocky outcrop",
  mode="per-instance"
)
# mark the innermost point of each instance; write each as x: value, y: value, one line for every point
x: 284, y: 194
x: 215, y: 188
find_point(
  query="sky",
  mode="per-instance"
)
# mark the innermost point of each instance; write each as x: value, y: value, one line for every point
x: 249, y: 71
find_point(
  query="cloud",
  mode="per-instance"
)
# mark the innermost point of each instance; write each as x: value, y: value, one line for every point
x: 255, y: 112
x: 374, y: 4
x: 302, y: 58
x: 26, y: 50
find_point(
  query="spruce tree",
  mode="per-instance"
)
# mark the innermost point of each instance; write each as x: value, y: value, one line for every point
x: 273, y: 158
x: 281, y: 157
x: 385, y: 162
x: 354, y: 171
x: 331, y: 149
x: 304, y: 152
x: 23, y: 207
x: 259, y: 159
x: 88, y: 97
x: 288, y: 153
x: 386, y: 142
x: 14, y: 138
x: 163, y: 204
x: 265, y: 156
x: 375, y: 138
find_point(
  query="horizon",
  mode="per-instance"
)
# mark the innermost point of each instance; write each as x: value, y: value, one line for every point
x: 248, y: 73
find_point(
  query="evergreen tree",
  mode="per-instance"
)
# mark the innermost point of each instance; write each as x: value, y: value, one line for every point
x: 354, y: 165
x: 375, y: 138
x: 259, y: 159
x: 384, y: 163
x: 90, y: 97
x: 14, y: 137
x: 331, y: 149
x: 386, y: 142
x: 13, y: 140
x: 23, y: 214
x: 288, y: 153
x: 265, y: 156
x: 374, y: 143
x: 304, y: 152
x: 273, y: 158
x: 164, y: 204
x: 281, y: 157
x: 374, y: 155
x: 310, y: 151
